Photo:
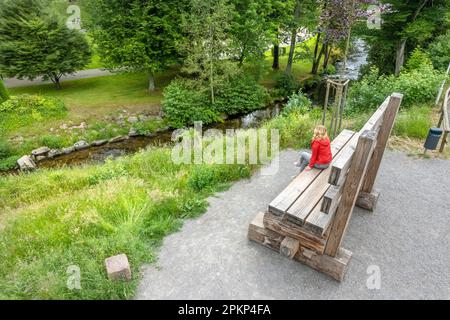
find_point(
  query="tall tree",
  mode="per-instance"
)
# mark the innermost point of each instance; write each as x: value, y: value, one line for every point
x: 249, y: 28
x: 406, y: 25
x: 137, y: 35
x: 35, y: 42
x: 207, y: 43
x: 305, y: 17
x: 280, y: 14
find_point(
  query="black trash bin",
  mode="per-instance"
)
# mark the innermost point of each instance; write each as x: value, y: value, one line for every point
x: 433, y: 138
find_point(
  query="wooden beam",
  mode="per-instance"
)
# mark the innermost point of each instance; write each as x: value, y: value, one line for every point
x: 289, y: 247
x: 334, y: 267
x: 319, y: 222
x: 331, y: 199
x: 385, y: 131
x: 368, y: 201
x: 308, y: 240
x: 358, y: 168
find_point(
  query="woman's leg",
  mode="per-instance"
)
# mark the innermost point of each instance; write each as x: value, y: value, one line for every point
x: 305, y: 157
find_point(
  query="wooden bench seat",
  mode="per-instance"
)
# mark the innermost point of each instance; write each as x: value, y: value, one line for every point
x: 308, y: 219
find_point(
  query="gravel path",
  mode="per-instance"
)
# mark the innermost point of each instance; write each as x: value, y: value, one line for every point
x: 13, y: 82
x: 408, y: 238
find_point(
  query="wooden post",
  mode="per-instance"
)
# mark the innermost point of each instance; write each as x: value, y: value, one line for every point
x: 444, y: 141
x: 374, y: 164
x: 325, y: 106
x: 358, y: 168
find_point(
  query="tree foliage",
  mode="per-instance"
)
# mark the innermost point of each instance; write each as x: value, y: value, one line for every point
x: 137, y: 35
x: 406, y: 25
x: 34, y: 42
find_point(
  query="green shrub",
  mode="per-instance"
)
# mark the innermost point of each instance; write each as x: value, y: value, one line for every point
x: 54, y: 141
x: 298, y: 103
x: 418, y: 60
x: 439, y: 50
x: 413, y: 123
x: 5, y: 149
x: 146, y: 127
x: 8, y: 163
x: 242, y: 94
x: 184, y: 103
x: 417, y: 86
x: 286, y: 84
x: 23, y: 110
x: 3, y: 92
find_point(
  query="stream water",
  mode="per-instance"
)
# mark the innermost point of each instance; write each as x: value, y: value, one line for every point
x: 357, y: 58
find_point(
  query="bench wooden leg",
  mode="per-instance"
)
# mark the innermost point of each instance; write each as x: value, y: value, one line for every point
x: 334, y: 267
x: 368, y: 201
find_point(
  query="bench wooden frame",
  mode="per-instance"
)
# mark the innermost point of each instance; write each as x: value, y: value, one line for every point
x: 444, y: 119
x: 307, y: 221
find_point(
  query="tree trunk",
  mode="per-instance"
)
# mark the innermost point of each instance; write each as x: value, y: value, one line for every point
x: 276, y: 57
x: 316, y: 51
x: 58, y: 83
x: 400, y: 57
x: 151, y: 82
x: 293, y: 38
x: 327, y: 55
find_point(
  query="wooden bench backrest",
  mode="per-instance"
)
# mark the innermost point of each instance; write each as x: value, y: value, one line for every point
x: 357, y: 173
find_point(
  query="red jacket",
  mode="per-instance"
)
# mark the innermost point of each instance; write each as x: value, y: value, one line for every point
x: 321, y: 152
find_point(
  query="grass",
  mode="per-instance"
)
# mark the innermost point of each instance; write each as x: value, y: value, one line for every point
x: 95, y: 63
x: 51, y: 220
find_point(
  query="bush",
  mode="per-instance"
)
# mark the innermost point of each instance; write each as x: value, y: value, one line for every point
x: 184, y: 103
x: 439, y: 51
x: 298, y: 103
x: 419, y: 59
x: 5, y: 149
x: 23, y: 110
x: 240, y: 95
x: 54, y: 142
x: 286, y: 84
x: 417, y: 85
x: 3, y: 92
x: 413, y: 123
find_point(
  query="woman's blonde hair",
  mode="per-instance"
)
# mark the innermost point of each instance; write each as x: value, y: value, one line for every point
x: 320, y: 133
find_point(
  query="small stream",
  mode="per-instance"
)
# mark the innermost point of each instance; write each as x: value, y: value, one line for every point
x: 134, y: 144
x: 357, y: 58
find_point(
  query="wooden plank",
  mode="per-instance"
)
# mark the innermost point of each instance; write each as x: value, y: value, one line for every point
x: 376, y: 119
x: 310, y: 241
x: 385, y: 131
x: 334, y: 267
x: 358, y: 168
x: 289, y: 247
x: 294, y: 190
x: 301, y: 208
x: 331, y: 199
x: 319, y: 222
x: 340, y: 166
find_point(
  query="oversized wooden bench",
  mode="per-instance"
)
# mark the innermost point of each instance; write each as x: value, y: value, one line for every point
x: 308, y: 219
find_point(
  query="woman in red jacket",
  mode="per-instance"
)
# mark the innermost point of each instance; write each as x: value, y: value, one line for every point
x: 321, y: 156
